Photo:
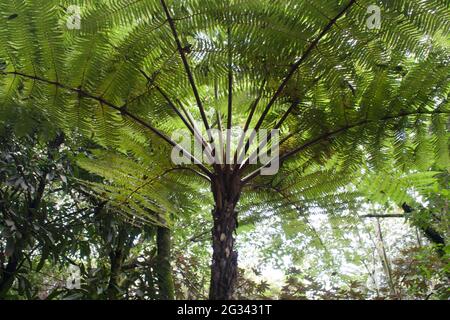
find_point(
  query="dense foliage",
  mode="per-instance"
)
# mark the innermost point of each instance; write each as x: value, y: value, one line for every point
x: 93, y: 206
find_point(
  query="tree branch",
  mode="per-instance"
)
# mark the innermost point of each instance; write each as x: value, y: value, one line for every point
x: 299, y: 62
x: 269, y: 137
x: 383, y: 216
x: 122, y: 110
x: 333, y: 133
x: 187, y: 122
x: 187, y: 68
x: 247, y: 123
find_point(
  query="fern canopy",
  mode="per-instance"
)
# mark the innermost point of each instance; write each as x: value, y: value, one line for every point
x: 351, y: 102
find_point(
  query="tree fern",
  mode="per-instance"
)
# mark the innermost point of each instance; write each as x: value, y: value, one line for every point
x: 342, y: 95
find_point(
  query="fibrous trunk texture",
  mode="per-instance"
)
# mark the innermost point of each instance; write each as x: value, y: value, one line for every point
x: 224, y: 261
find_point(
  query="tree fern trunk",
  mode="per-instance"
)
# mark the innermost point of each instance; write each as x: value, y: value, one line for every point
x: 224, y: 260
x: 163, y: 268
